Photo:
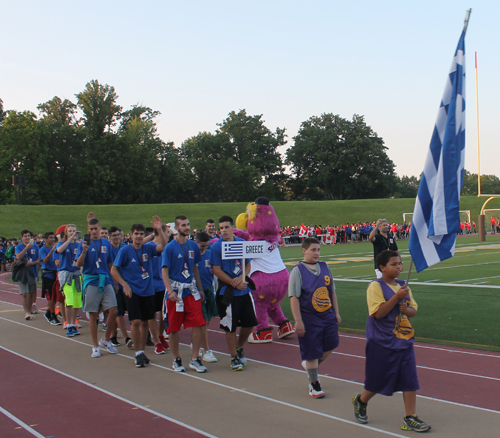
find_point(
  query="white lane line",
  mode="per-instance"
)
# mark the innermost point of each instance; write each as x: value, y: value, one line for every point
x: 151, y: 411
x: 21, y: 423
x: 478, y: 286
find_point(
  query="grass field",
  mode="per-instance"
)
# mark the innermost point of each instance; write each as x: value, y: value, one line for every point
x: 459, y: 298
x: 39, y: 219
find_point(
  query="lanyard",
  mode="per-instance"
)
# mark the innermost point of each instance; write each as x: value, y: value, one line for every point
x: 139, y: 259
x: 98, y: 250
x: 186, y: 259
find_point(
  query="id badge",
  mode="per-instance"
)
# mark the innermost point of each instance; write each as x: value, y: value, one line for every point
x: 144, y: 274
x: 179, y: 306
x: 237, y: 270
x: 97, y: 264
x: 185, y: 273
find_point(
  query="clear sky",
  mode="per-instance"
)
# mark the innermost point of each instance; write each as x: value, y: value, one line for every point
x: 195, y: 61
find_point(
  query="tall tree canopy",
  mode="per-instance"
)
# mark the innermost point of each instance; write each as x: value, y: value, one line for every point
x: 336, y: 158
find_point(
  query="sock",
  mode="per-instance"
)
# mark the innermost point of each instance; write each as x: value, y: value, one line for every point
x: 137, y: 353
x: 313, y: 374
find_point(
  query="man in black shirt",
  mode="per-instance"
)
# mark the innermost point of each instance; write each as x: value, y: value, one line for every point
x: 382, y: 239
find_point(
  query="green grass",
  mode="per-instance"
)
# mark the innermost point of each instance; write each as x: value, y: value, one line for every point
x: 450, y: 315
x: 39, y: 219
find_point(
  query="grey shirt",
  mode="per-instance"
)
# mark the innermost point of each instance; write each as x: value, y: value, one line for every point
x: 295, y: 282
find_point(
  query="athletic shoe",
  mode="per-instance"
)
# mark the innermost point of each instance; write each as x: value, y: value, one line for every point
x: 114, y: 341
x: 108, y: 346
x: 315, y: 390
x: 69, y: 332
x: 159, y: 349
x: 236, y: 365
x: 263, y: 336
x: 140, y: 361
x: 75, y: 331
x: 209, y: 357
x: 359, y: 409
x: 146, y: 359
x: 414, y: 423
x: 48, y: 316
x: 77, y: 324
x: 104, y: 327
x: 241, y: 355
x: 286, y: 329
x: 35, y: 310
x: 55, y: 320
x: 65, y: 326
x: 177, y: 365
x: 164, y: 342
x: 96, y: 352
x: 129, y: 342
x: 196, y: 365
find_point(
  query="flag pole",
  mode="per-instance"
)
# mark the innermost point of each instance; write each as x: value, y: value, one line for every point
x: 466, y: 20
x: 406, y: 285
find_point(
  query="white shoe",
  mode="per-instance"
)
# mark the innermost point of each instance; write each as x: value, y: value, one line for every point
x: 209, y: 357
x: 96, y: 352
x: 196, y: 365
x: 35, y: 310
x: 108, y: 346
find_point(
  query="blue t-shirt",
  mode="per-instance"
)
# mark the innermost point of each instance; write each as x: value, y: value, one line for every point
x: 31, y: 254
x: 157, y: 278
x: 50, y: 265
x: 176, y: 257
x: 100, y: 252
x: 115, y: 253
x: 67, y: 260
x: 205, y: 270
x: 232, y: 268
x: 130, y: 260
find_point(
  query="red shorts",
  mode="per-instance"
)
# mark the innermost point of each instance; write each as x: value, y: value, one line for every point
x: 53, y: 290
x: 191, y: 317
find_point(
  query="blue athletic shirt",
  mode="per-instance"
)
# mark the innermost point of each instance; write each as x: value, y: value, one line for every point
x: 174, y: 259
x: 67, y: 260
x: 50, y: 265
x: 232, y: 268
x: 157, y: 278
x: 31, y: 255
x: 98, y: 249
x: 115, y: 253
x: 205, y: 270
x: 127, y: 261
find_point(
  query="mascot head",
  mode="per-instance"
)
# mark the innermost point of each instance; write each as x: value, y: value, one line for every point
x: 260, y: 221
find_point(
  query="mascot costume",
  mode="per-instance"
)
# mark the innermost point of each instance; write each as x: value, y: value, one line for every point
x: 268, y: 273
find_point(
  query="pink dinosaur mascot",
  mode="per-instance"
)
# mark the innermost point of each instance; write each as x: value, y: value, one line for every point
x: 268, y: 273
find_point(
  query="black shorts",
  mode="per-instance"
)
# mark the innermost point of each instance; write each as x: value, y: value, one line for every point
x: 121, y: 305
x: 140, y: 307
x: 159, y: 299
x: 48, y: 284
x: 240, y: 313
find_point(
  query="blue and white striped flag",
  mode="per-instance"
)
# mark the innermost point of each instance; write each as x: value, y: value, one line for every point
x: 436, y: 218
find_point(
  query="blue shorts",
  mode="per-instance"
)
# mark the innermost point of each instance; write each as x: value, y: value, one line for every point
x: 388, y: 371
x: 321, y: 335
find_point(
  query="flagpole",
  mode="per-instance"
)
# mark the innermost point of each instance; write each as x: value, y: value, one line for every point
x: 466, y: 20
x: 406, y: 285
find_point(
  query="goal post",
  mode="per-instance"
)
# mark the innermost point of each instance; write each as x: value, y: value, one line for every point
x: 464, y: 216
x: 488, y: 215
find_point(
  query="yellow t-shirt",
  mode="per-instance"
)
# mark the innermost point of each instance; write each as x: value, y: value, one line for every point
x: 375, y: 297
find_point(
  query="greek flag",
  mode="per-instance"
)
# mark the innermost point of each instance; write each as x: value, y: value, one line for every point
x: 436, y: 218
x: 232, y: 250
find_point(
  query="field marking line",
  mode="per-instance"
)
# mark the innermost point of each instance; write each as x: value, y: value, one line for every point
x: 479, y: 278
x: 479, y: 286
x: 188, y: 375
x: 151, y: 411
x: 20, y: 422
x: 244, y: 391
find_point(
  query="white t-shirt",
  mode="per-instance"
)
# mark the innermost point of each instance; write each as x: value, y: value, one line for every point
x: 270, y: 264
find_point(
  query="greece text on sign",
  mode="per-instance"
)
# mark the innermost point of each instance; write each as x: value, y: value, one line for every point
x: 243, y: 250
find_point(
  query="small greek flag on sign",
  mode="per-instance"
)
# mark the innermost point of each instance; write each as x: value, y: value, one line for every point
x: 436, y: 218
x: 233, y: 250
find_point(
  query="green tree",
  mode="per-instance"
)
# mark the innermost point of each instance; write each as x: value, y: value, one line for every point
x: 100, y: 110
x: 490, y: 184
x: 59, y: 111
x: 336, y: 158
x: 2, y: 111
x: 407, y: 187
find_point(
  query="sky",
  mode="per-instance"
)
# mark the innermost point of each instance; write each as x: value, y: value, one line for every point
x: 196, y: 61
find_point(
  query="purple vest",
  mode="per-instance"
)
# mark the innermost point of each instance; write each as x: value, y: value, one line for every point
x: 383, y: 331
x: 317, y: 292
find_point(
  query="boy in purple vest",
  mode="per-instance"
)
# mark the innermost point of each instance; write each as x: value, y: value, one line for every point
x: 316, y: 312
x: 390, y: 359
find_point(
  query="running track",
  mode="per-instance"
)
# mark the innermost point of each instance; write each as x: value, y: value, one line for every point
x: 453, y: 379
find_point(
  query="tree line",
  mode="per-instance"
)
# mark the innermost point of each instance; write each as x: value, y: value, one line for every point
x: 93, y: 151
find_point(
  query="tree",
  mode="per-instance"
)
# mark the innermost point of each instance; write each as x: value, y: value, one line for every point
x: 334, y: 158
x: 490, y: 184
x: 98, y: 105
x: 2, y: 112
x: 407, y: 187
x: 239, y: 162
x: 60, y: 111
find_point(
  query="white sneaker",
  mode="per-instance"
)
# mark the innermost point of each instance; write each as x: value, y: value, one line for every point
x: 108, y: 346
x: 209, y: 357
x: 96, y: 352
x: 196, y: 365
x: 35, y: 310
